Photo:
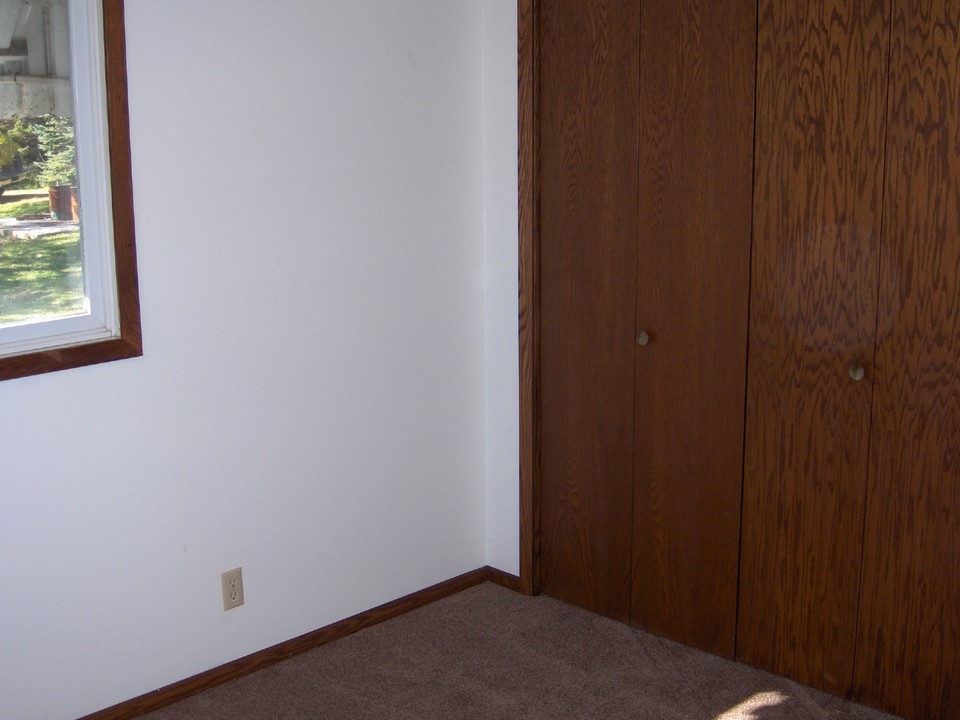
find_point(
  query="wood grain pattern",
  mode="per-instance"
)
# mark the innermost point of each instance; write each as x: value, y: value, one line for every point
x: 695, y: 204
x: 257, y: 661
x: 587, y: 62
x: 121, y: 177
x: 821, y: 95
x: 908, y: 658
x: 529, y: 295
x: 129, y: 344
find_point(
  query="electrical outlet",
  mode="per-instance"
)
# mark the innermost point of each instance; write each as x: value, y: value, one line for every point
x: 232, y: 584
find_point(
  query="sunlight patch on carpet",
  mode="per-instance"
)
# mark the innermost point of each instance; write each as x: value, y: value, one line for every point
x: 745, y: 710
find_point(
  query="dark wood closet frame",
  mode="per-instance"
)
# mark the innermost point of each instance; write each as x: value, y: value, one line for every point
x: 529, y: 295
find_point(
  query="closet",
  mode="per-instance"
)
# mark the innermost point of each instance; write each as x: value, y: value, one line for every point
x: 818, y: 203
x: 645, y: 136
x: 908, y: 640
x: 850, y: 554
x: 786, y: 490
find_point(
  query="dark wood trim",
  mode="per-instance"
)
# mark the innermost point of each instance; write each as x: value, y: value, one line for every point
x: 529, y: 296
x: 129, y: 343
x: 270, y: 656
x: 121, y: 177
x: 506, y: 580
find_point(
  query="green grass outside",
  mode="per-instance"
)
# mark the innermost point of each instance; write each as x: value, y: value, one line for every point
x: 30, y: 206
x: 40, y: 278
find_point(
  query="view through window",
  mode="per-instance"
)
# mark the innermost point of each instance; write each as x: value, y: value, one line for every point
x: 41, y: 256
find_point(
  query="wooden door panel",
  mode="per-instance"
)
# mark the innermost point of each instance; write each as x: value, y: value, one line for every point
x: 588, y: 225
x: 696, y: 176
x: 908, y: 658
x: 817, y: 211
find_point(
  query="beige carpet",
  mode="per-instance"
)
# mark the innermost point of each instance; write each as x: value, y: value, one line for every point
x: 491, y: 653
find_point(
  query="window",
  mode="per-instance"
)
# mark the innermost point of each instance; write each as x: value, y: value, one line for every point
x: 62, y: 74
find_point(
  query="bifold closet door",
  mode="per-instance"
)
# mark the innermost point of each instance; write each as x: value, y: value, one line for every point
x: 646, y: 127
x: 908, y: 657
x: 588, y: 237
x: 821, y: 94
x: 693, y: 264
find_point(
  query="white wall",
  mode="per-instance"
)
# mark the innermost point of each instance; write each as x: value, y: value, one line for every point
x: 312, y: 403
x: 502, y: 273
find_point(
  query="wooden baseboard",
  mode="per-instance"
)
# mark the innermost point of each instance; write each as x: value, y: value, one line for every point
x: 511, y: 582
x: 251, y: 663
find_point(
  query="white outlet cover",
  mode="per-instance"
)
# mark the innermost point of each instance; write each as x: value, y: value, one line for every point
x: 231, y: 583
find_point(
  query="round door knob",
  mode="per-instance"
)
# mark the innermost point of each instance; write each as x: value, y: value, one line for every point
x: 643, y: 338
x: 857, y: 372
